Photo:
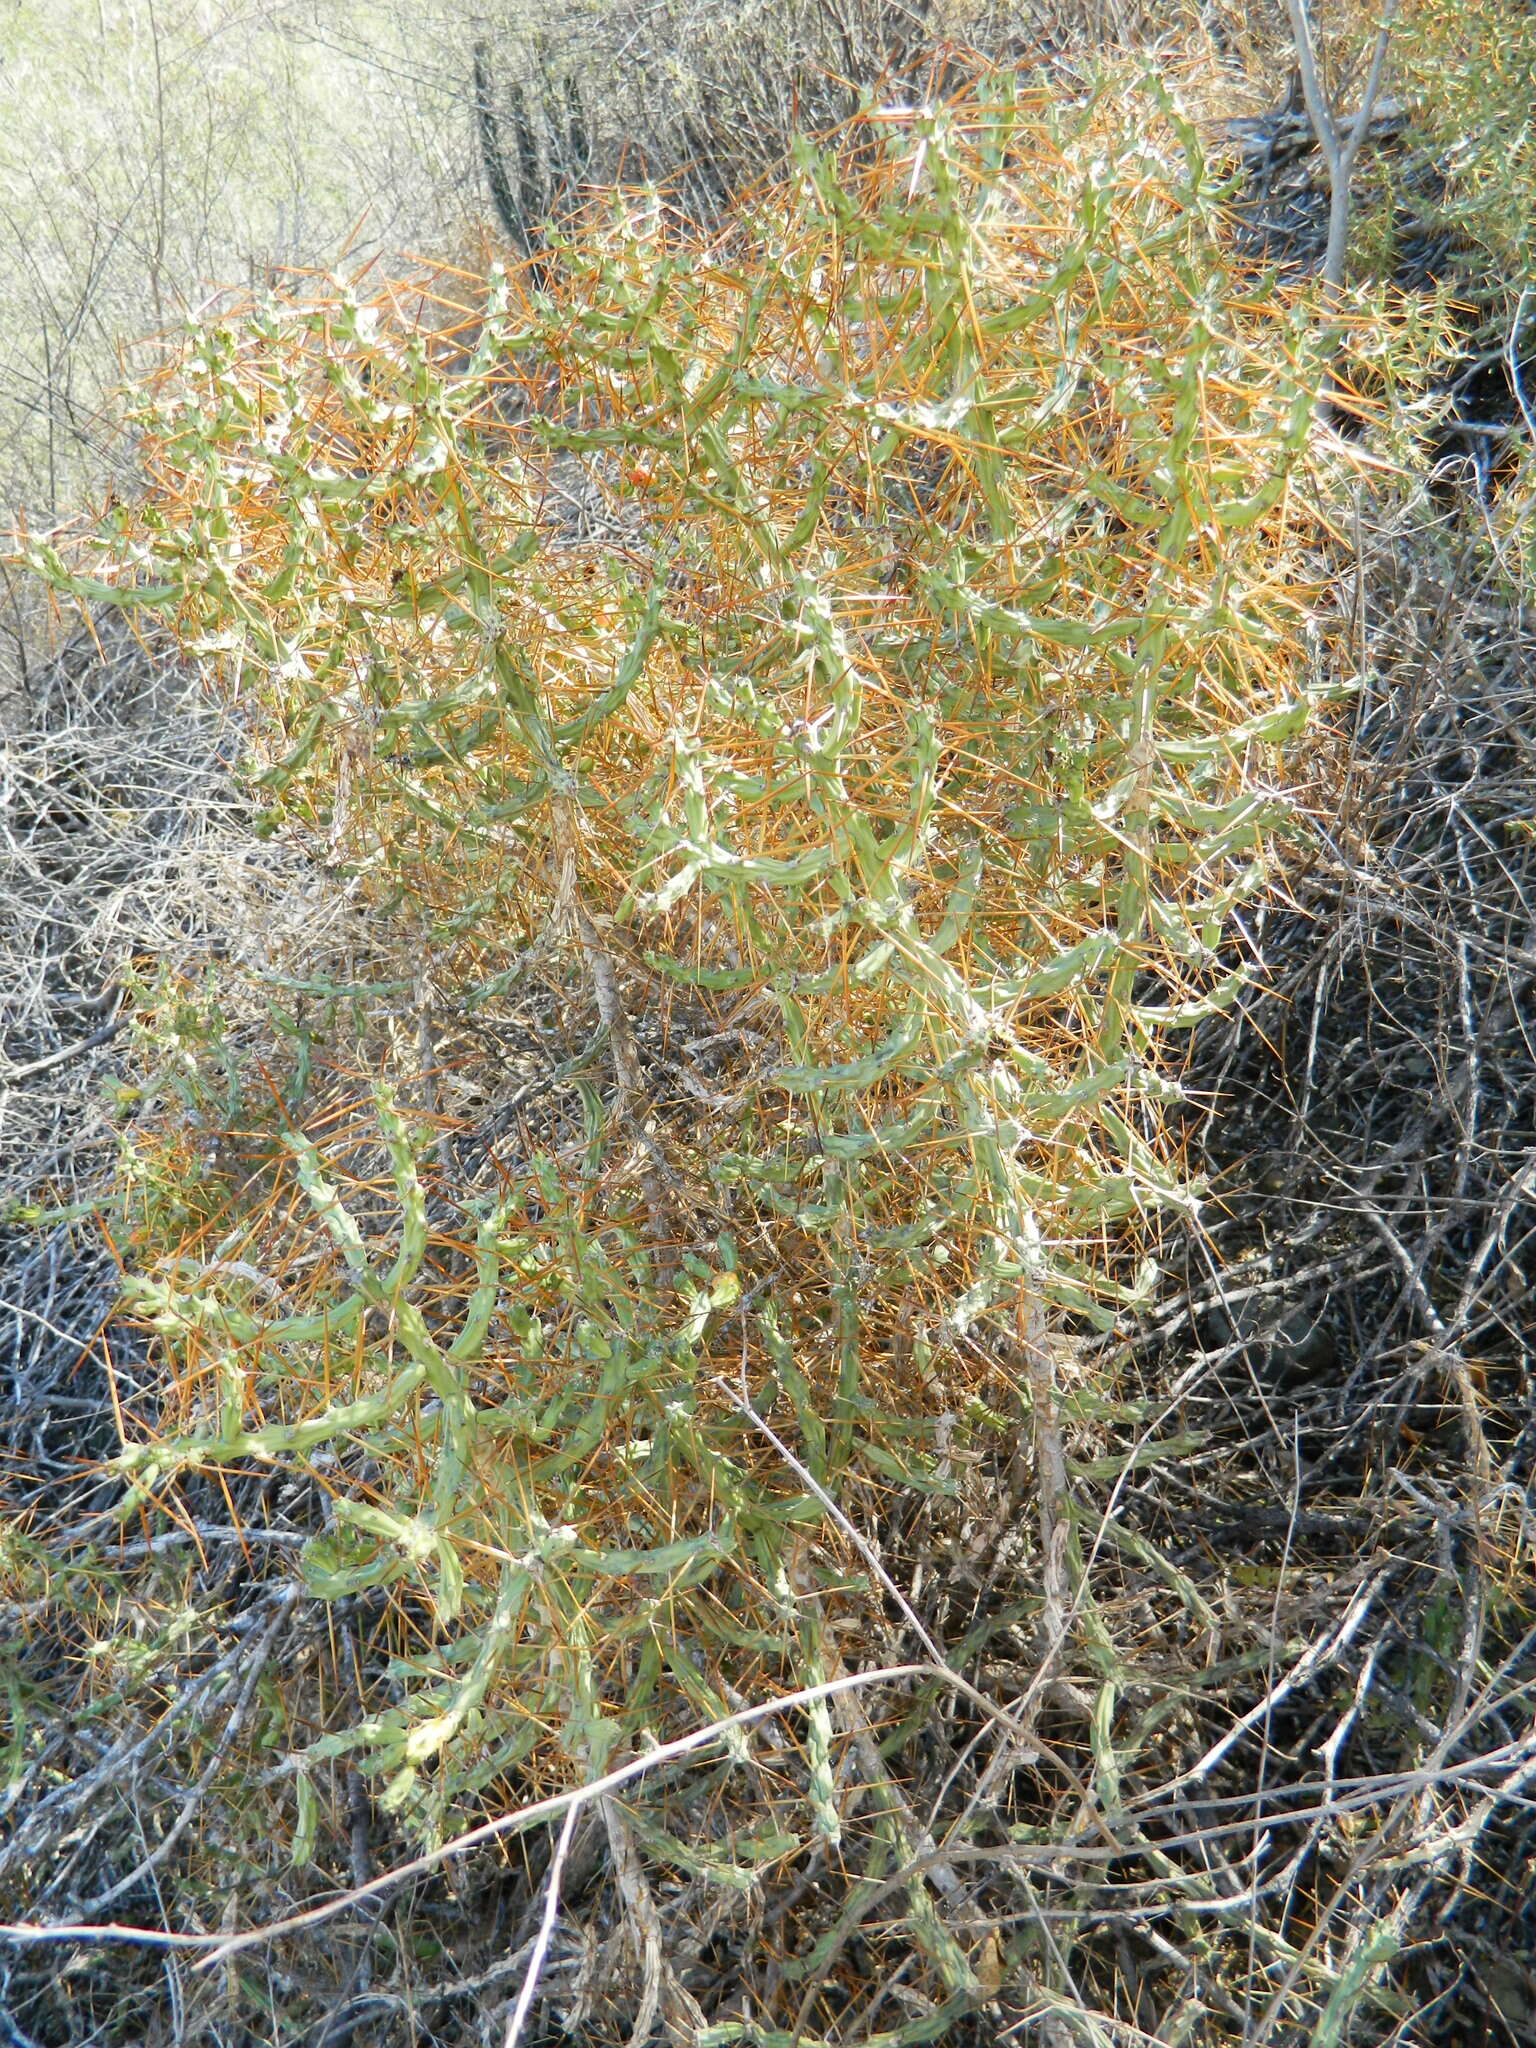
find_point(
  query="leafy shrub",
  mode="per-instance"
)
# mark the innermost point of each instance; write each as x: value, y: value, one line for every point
x: 1468, y: 73
x: 829, y: 683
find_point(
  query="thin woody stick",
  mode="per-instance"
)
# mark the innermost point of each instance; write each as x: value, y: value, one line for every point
x: 224, y: 1946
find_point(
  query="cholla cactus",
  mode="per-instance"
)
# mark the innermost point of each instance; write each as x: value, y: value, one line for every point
x: 544, y: 177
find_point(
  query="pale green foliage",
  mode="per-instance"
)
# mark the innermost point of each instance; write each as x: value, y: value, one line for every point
x: 926, y: 698
x: 929, y: 711
x: 1469, y: 71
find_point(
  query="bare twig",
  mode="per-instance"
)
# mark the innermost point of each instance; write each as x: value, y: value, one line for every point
x: 518, y: 2017
x: 222, y: 1947
x: 10, y: 1076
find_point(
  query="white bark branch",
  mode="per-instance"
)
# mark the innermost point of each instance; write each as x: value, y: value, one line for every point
x: 1339, y: 149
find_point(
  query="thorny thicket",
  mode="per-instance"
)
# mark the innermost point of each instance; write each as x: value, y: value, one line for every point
x: 484, y: 1360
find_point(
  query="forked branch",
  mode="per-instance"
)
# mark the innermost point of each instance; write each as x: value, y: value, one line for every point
x: 1340, y: 144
